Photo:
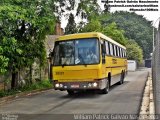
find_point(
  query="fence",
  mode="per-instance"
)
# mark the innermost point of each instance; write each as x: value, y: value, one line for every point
x: 2, y: 85
x: 156, y: 72
x: 25, y: 76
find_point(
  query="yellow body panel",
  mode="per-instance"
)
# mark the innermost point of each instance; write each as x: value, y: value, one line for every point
x: 76, y: 73
x: 115, y: 68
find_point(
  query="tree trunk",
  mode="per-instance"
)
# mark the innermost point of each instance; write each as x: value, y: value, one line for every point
x: 40, y: 75
x: 30, y: 81
x: 14, y: 78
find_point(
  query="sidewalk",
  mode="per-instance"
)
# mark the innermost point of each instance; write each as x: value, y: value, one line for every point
x: 147, y: 105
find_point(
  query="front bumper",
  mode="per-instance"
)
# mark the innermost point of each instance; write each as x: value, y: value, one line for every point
x: 84, y: 85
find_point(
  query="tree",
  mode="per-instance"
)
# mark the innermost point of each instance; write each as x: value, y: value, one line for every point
x: 93, y: 26
x: 3, y: 62
x: 135, y: 27
x: 22, y: 33
x: 123, y: 26
x: 116, y: 34
x: 71, y: 25
x: 110, y: 30
x: 106, y: 7
x: 83, y: 8
x: 88, y: 8
x: 134, y: 51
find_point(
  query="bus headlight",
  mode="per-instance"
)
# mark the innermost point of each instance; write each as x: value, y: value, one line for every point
x: 89, y: 85
x: 57, y: 85
x: 95, y: 84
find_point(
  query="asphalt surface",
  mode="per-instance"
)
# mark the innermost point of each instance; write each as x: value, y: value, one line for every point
x: 121, y: 99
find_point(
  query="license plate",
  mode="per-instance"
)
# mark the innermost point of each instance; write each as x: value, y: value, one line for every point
x: 74, y: 86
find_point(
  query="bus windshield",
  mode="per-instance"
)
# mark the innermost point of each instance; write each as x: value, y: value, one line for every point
x: 76, y: 52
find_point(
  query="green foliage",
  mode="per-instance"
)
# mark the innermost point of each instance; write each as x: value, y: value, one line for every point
x: 122, y: 26
x: 111, y: 30
x: 38, y: 85
x: 104, y: 23
x: 3, y: 64
x: 8, y: 51
x: 86, y: 8
x: 24, y: 25
x: 135, y: 27
x: 83, y: 8
x: 93, y: 26
x: 116, y: 34
x: 134, y: 51
x: 71, y: 25
x: 45, y: 84
x: 3, y: 61
x: 5, y: 93
x: 22, y: 32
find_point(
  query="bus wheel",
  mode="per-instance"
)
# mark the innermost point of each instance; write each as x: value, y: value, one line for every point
x: 121, y: 79
x: 70, y: 92
x: 106, y: 89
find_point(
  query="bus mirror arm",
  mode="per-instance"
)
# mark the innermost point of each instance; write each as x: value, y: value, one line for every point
x: 51, y: 56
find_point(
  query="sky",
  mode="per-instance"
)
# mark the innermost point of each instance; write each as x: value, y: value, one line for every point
x: 153, y: 16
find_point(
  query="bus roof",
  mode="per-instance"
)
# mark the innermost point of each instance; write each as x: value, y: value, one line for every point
x: 88, y: 35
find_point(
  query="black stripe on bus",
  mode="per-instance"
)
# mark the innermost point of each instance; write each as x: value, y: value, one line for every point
x: 115, y: 66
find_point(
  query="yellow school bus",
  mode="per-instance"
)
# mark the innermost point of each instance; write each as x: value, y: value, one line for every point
x: 87, y: 61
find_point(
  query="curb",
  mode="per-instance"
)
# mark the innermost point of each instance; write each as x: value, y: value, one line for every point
x: 147, y: 105
x: 23, y: 94
x: 151, y: 104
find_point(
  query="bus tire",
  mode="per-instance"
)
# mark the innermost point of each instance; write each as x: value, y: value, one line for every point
x: 121, y: 79
x: 106, y: 89
x: 70, y: 92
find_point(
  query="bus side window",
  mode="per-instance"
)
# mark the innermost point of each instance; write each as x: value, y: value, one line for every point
x: 103, y: 48
x: 111, y: 48
x: 120, y: 51
x: 107, y: 48
x: 115, y: 51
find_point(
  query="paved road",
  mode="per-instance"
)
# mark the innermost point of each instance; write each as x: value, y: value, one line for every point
x: 122, y: 99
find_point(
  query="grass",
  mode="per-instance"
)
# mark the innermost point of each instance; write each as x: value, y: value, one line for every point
x: 45, y: 84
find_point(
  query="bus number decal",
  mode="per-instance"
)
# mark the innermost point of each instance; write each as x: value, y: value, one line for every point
x: 114, y: 61
x: 59, y: 73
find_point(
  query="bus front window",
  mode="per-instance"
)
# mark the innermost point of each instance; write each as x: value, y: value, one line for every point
x: 76, y: 52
